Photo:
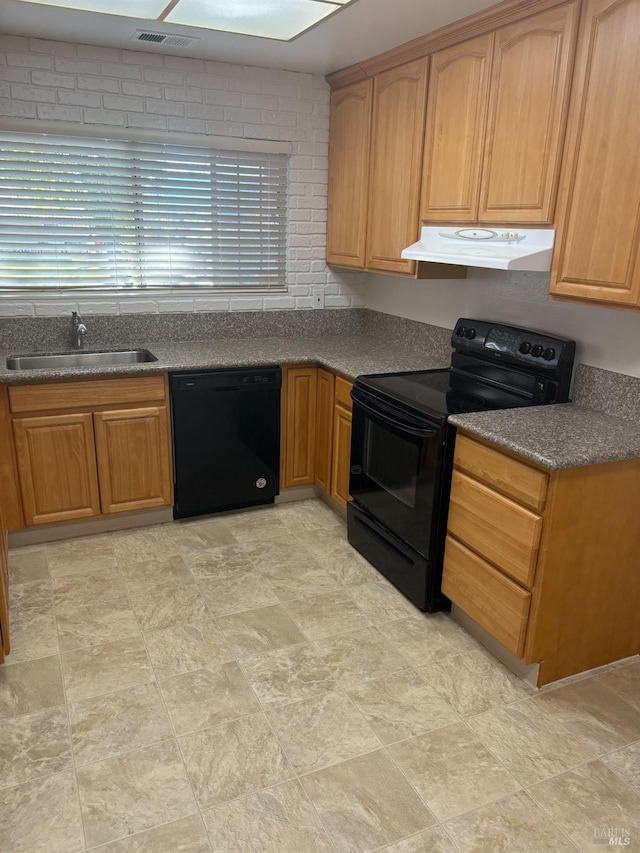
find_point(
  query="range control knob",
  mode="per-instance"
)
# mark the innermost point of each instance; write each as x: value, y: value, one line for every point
x: 525, y: 348
x: 536, y: 351
x: 470, y: 333
x: 461, y: 331
x: 549, y: 354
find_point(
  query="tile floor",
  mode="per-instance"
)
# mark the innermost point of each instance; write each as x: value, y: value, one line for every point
x: 249, y: 684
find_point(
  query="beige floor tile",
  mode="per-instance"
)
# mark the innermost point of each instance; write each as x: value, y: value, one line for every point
x: 428, y: 638
x: 474, y: 682
x: 594, y: 714
x: 625, y: 681
x: 219, y: 563
x: 235, y: 591
x: 320, y: 616
x: 340, y: 561
x: 360, y: 656
x: 192, y: 537
x: 185, y: 648
x: 29, y: 596
x: 92, y: 624
x: 145, y: 543
x: 295, y: 579
x: 278, y: 820
x: 256, y: 525
x: 91, y: 588
x: 625, y: 763
x: 169, y: 605
x: 281, y: 549
x: 309, y: 515
x: 453, y: 771
x: 286, y: 675
x: 512, y: 825
x: 145, y: 575
x: 383, y: 603
x: 531, y: 743
x: 96, y: 670
x: 33, y: 634
x: 322, y: 731
x: 79, y: 556
x: 31, y: 686
x: 433, y: 840
x: 34, y: 745
x: 27, y: 565
x: 41, y: 815
x: 590, y: 800
x: 208, y: 697
x: 234, y: 759
x: 401, y: 706
x: 186, y: 835
x: 255, y: 631
x: 366, y: 802
x: 133, y: 792
x: 117, y: 723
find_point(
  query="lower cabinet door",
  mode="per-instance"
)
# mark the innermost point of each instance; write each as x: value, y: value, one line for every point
x: 299, y: 426
x: 5, y: 646
x: 324, y: 429
x: 57, y: 465
x: 341, y: 455
x: 134, y: 459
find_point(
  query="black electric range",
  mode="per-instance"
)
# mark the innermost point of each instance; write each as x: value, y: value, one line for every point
x: 402, y: 446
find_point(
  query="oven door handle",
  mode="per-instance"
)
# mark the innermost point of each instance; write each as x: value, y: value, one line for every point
x: 387, y: 416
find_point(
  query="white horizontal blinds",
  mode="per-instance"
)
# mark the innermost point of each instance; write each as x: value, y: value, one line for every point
x: 92, y: 213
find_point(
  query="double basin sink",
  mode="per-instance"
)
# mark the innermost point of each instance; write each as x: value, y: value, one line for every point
x: 79, y: 359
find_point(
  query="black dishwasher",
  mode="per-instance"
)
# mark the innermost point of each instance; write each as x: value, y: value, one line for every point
x: 226, y: 439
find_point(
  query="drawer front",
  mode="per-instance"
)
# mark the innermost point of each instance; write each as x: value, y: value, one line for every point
x: 496, y: 603
x: 501, y: 531
x: 343, y: 392
x: 85, y: 395
x: 518, y: 481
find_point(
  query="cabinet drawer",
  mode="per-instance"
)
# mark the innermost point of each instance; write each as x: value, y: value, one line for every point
x: 343, y: 392
x: 85, y: 395
x: 501, y: 531
x: 514, y: 479
x: 496, y: 603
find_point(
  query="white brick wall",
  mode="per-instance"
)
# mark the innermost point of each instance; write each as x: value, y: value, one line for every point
x: 47, y: 81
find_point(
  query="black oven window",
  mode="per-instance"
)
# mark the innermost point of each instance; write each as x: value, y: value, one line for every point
x: 392, y: 462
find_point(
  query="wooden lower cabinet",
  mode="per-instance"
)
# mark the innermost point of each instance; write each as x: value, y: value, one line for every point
x: 5, y: 644
x: 341, y: 455
x: 134, y: 462
x: 560, y: 587
x: 298, y: 426
x: 98, y: 461
x: 324, y: 428
x: 57, y: 467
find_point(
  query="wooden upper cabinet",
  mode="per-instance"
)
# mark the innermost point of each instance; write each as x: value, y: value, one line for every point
x: 57, y: 465
x: 134, y: 462
x: 399, y: 102
x: 529, y: 92
x: 597, y: 255
x: 349, y: 174
x: 454, y: 137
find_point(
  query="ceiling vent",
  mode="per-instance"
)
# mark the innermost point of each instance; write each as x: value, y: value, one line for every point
x: 163, y: 38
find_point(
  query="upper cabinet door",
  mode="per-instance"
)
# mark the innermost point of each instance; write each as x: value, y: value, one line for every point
x: 349, y: 174
x: 454, y: 138
x: 598, y: 239
x: 397, y: 136
x: 530, y: 84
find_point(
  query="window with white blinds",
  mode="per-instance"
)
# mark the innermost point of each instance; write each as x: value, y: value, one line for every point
x: 107, y: 214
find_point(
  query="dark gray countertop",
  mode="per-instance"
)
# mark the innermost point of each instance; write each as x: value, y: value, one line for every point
x: 556, y: 437
x: 350, y: 356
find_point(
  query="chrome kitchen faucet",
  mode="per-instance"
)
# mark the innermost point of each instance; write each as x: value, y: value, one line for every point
x: 78, y: 331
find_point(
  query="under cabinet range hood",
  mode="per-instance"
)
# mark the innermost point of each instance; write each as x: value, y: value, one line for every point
x: 492, y: 248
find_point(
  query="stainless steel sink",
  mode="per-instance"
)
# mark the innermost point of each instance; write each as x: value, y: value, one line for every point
x: 79, y: 359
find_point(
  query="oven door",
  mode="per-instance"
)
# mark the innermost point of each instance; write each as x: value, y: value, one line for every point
x: 396, y: 469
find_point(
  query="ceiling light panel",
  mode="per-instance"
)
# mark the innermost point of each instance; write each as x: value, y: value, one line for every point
x: 274, y: 19
x: 138, y: 9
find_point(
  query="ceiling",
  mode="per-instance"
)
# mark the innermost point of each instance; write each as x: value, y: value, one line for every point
x: 363, y: 29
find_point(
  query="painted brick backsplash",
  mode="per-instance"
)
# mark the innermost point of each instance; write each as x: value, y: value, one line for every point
x: 58, y: 82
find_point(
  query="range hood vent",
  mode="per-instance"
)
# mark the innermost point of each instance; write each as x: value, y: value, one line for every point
x: 491, y: 248
x: 165, y: 39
